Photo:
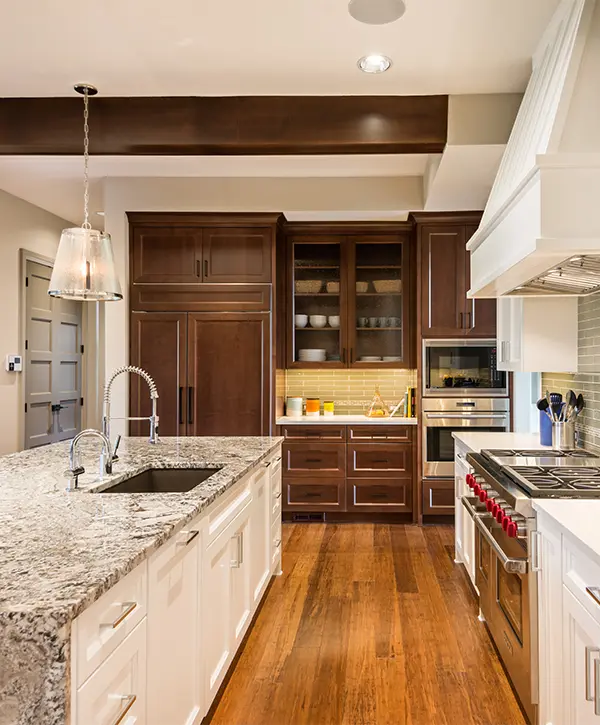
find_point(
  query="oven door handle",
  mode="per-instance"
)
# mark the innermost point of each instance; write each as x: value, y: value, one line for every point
x: 512, y: 566
x: 465, y: 416
x: 471, y: 510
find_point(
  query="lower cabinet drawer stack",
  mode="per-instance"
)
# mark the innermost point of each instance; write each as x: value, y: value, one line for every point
x: 367, y: 468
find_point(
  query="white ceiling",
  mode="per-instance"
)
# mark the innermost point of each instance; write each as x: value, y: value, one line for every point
x: 260, y: 47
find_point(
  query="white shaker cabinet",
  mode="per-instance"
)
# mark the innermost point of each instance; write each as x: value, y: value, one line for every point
x: 581, y: 660
x: 241, y: 597
x: 260, y: 534
x: 464, y: 526
x: 531, y: 331
x: 174, y: 643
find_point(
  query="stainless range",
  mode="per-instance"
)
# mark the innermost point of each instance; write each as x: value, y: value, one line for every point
x: 506, y: 546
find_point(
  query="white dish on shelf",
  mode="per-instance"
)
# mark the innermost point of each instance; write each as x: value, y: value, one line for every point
x: 312, y: 355
x: 391, y: 358
x: 334, y: 321
x: 318, y: 321
x: 300, y: 321
x: 369, y: 358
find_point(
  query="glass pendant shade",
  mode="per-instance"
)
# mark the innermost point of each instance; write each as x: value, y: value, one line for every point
x: 84, y: 268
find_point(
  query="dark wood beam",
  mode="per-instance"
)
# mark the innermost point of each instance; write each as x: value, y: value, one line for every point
x: 253, y: 125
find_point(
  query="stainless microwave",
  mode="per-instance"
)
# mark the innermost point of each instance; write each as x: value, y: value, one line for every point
x: 464, y: 368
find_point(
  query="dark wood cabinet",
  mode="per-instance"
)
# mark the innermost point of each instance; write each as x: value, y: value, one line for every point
x: 314, y: 432
x: 438, y: 497
x: 314, y: 495
x: 158, y: 345
x: 379, y: 459
x: 237, y: 255
x: 228, y: 374
x: 349, y: 296
x: 379, y: 495
x: 446, y: 311
x: 326, y: 460
x: 202, y: 318
x: 166, y: 255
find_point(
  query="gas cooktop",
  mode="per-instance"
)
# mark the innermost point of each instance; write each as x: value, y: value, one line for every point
x: 548, y: 481
x: 541, y: 457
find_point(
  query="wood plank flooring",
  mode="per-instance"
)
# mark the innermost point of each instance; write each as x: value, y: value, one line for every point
x: 368, y: 625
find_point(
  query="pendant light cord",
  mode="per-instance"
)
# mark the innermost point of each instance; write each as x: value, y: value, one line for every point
x: 86, y: 157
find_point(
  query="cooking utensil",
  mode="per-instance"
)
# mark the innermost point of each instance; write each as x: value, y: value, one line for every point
x: 580, y: 404
x: 571, y: 403
x: 550, y: 405
x: 544, y: 406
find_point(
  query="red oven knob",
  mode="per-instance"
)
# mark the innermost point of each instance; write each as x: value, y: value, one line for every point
x: 476, y: 489
x: 482, y: 495
x: 470, y: 480
x: 495, y: 509
x: 499, y: 515
x: 511, y: 530
x: 489, y: 504
x: 505, y: 523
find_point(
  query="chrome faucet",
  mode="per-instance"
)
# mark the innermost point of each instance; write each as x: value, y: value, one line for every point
x: 75, y: 468
x: 153, y: 397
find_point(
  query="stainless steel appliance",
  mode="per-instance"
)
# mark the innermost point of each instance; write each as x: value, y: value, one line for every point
x: 462, y: 368
x: 442, y: 416
x: 506, y: 546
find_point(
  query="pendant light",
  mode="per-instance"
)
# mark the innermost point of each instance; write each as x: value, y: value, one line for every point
x: 84, y: 268
x: 376, y: 12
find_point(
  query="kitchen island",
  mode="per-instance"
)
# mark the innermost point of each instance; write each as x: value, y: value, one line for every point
x: 62, y: 551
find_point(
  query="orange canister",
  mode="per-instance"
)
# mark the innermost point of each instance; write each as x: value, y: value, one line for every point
x: 313, y: 406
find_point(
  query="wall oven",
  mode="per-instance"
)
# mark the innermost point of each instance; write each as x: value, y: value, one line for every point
x: 443, y: 416
x: 460, y: 368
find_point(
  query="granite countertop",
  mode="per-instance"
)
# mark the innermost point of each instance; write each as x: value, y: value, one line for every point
x: 343, y: 420
x: 478, y: 441
x: 60, y: 551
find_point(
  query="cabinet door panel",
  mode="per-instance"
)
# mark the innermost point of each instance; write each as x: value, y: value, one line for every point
x: 237, y: 255
x: 481, y: 314
x: 241, y: 596
x: 310, y: 459
x: 443, y: 283
x: 379, y: 459
x: 260, y: 534
x: 158, y: 345
x: 162, y: 255
x: 229, y: 372
x: 174, y: 647
x: 380, y: 495
x: 438, y: 496
x: 314, y: 494
x: 581, y: 650
x: 216, y: 613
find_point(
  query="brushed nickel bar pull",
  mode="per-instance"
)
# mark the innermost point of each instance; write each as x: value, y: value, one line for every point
x: 127, y: 701
x: 589, y: 652
x: 236, y: 563
x: 277, y: 543
x: 128, y: 608
x: 597, y: 687
x: 594, y: 593
x: 278, y: 495
x: 191, y: 535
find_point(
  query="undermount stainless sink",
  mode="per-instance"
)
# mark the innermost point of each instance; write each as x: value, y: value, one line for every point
x: 163, y: 480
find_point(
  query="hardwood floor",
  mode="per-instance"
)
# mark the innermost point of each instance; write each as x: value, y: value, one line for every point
x: 368, y: 625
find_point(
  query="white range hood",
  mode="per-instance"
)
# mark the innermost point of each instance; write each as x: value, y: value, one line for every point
x: 540, y: 232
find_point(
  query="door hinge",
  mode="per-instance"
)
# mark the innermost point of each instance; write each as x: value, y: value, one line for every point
x: 26, y: 281
x: 81, y: 402
x: 27, y: 344
x: 82, y: 349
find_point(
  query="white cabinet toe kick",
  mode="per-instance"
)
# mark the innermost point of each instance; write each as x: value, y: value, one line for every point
x: 157, y: 646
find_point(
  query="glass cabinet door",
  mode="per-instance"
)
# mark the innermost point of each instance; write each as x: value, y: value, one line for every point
x: 318, y: 317
x: 378, y: 315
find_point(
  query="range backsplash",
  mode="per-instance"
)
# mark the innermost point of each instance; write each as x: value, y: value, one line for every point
x: 587, y: 379
x: 351, y: 390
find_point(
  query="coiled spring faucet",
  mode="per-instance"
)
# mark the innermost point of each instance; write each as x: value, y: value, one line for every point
x: 153, y: 397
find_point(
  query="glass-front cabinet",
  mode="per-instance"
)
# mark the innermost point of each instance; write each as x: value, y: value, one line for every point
x: 348, y: 301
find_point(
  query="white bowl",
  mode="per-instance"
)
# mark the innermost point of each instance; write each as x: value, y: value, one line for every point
x: 334, y: 321
x: 318, y: 321
x: 301, y: 320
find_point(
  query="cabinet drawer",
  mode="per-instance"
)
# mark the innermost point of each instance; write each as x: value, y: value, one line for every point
x: 380, y: 433
x: 118, y: 687
x: 438, y: 497
x: 581, y: 576
x: 315, y: 495
x: 101, y: 628
x: 379, y: 459
x: 306, y: 459
x: 228, y: 507
x: 310, y: 432
x: 379, y: 494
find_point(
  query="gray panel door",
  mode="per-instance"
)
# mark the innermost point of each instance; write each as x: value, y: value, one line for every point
x: 53, y: 362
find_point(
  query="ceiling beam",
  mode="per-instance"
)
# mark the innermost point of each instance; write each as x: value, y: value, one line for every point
x: 244, y: 125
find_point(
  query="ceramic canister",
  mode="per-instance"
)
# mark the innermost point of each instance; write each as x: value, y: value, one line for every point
x: 294, y: 407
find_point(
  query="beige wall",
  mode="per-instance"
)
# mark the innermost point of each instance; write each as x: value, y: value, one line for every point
x: 22, y: 226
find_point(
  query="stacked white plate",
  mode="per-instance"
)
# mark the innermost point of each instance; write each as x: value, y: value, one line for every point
x: 310, y: 355
x: 391, y: 358
x: 369, y: 358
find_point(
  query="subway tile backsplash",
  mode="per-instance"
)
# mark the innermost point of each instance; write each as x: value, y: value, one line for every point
x: 587, y: 379
x: 351, y: 390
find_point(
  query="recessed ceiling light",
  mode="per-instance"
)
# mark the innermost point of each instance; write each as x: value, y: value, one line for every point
x: 374, y: 63
x: 376, y: 12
